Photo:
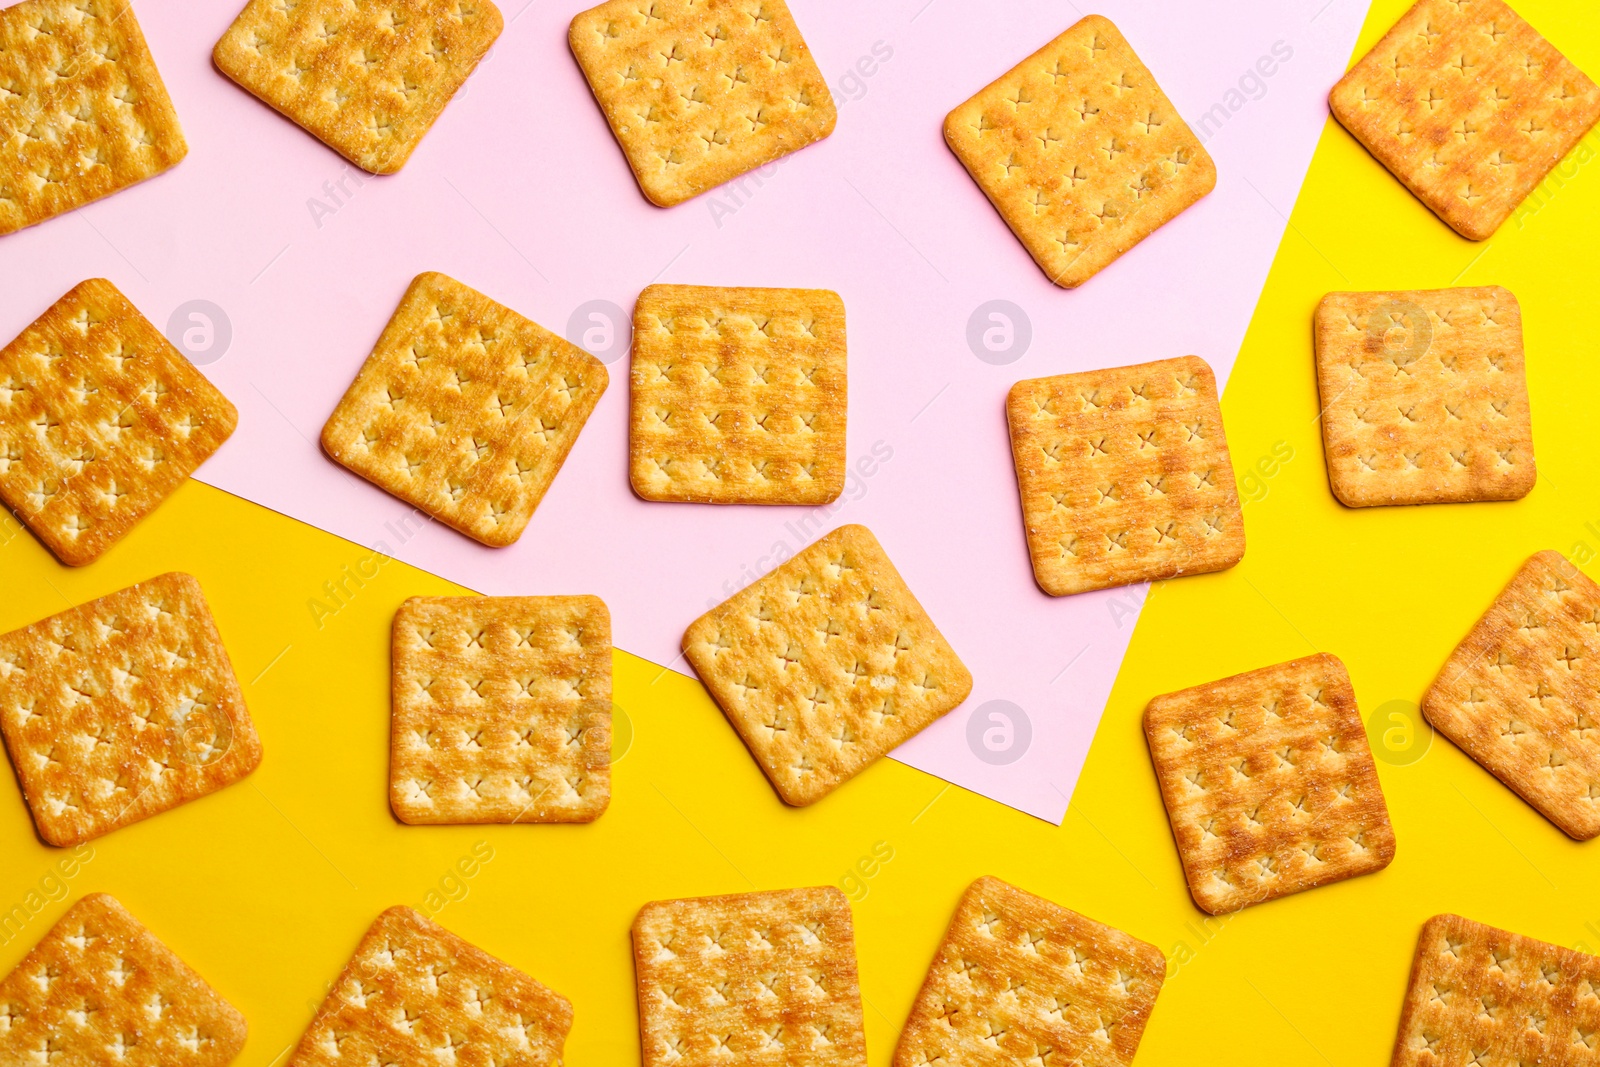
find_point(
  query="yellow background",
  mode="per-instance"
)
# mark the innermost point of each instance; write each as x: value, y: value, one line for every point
x: 266, y: 886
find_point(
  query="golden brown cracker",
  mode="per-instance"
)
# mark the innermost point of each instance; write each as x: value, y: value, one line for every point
x: 1479, y: 995
x: 753, y: 978
x: 1019, y: 980
x: 1468, y: 106
x: 1080, y: 151
x: 1424, y: 396
x: 83, y: 112
x: 1521, y: 693
x: 825, y: 664
x: 502, y: 710
x: 739, y: 395
x: 101, y: 419
x: 121, y: 708
x: 415, y: 993
x: 99, y: 988
x: 1124, y: 475
x: 465, y: 409
x: 698, y: 92
x: 368, y: 78
x: 1269, y: 783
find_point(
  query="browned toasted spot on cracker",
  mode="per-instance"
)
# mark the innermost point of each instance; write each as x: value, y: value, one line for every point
x: 699, y: 92
x: 122, y: 708
x: 1479, y: 995
x: 1521, y: 693
x: 825, y: 664
x: 1080, y: 151
x: 99, y: 988
x: 465, y: 409
x: 1269, y: 783
x: 416, y: 993
x: 83, y: 112
x: 1424, y: 399
x: 739, y: 395
x: 502, y: 710
x: 100, y: 420
x: 1468, y: 106
x: 367, y: 79
x: 758, y: 978
x: 1019, y: 980
x: 1124, y: 475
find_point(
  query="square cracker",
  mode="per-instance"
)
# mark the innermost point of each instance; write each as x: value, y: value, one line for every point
x: 502, y: 710
x: 465, y: 409
x: 1124, y: 475
x: 825, y: 664
x: 1269, y: 783
x: 99, y: 988
x: 121, y: 708
x: 1080, y: 151
x: 101, y: 419
x: 753, y: 978
x: 1521, y: 693
x: 1020, y: 980
x: 1468, y: 106
x: 1479, y: 995
x: 366, y: 78
x: 83, y: 112
x: 416, y: 993
x: 698, y: 92
x: 739, y: 395
x: 1424, y: 398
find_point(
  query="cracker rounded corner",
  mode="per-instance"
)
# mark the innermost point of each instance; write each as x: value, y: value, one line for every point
x: 1207, y: 901
x: 1473, y: 225
x: 402, y: 809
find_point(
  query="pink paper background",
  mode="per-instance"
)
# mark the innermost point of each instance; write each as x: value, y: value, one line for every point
x: 521, y: 192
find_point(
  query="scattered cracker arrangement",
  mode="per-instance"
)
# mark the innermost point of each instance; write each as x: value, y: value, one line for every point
x: 502, y: 710
x: 825, y: 664
x: 1469, y: 107
x: 366, y: 78
x: 1080, y: 151
x: 766, y: 978
x: 738, y: 395
x: 1124, y: 475
x: 465, y: 409
x: 100, y: 988
x: 1021, y: 980
x: 699, y: 92
x: 100, y: 421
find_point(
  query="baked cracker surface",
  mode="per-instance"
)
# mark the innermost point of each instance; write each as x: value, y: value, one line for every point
x: 83, y: 112
x: 465, y: 409
x: 1019, y: 980
x: 100, y: 420
x: 1269, y: 783
x: 765, y: 978
x: 1479, y: 995
x: 738, y: 395
x: 368, y: 78
x: 121, y: 708
x: 1080, y: 151
x: 415, y: 993
x: 1424, y: 396
x: 698, y: 92
x: 502, y: 710
x: 1468, y: 106
x: 825, y: 664
x: 1124, y: 475
x: 1521, y: 693
x: 99, y: 988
